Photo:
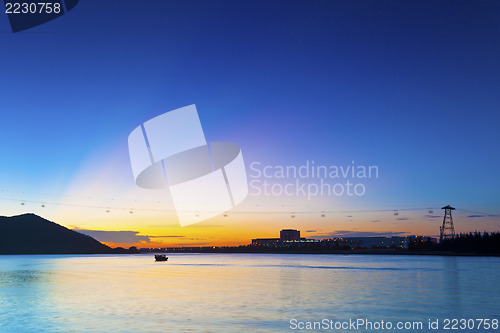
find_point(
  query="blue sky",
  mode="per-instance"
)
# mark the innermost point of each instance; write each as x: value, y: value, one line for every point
x: 413, y: 87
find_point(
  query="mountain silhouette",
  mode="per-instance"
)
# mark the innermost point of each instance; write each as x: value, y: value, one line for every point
x: 32, y: 234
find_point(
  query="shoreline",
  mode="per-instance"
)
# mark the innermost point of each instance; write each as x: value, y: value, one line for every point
x: 346, y: 253
x: 339, y: 252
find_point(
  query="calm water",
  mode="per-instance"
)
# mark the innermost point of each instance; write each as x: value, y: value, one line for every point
x: 240, y: 292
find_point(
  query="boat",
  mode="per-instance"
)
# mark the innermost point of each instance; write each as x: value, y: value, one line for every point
x: 161, y: 257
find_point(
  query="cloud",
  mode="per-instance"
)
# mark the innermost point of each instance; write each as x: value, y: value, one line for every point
x: 375, y: 221
x: 117, y: 237
x: 480, y: 215
x: 403, y: 219
x: 353, y: 233
x: 432, y: 216
x: 121, y: 237
x: 310, y: 230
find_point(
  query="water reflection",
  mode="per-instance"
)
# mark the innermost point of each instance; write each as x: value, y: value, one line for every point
x: 25, y: 289
x: 451, y: 286
x: 242, y: 292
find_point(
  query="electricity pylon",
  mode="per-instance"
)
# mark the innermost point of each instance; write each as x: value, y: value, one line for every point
x: 447, y: 229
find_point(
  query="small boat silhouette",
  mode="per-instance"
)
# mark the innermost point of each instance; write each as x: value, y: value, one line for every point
x: 161, y: 257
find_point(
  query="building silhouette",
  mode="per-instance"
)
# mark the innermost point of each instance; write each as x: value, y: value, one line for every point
x: 289, y: 235
x: 286, y: 236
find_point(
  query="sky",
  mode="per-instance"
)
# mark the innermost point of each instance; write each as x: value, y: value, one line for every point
x: 410, y: 87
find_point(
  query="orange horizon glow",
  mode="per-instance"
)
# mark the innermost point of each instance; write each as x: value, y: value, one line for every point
x: 239, y: 231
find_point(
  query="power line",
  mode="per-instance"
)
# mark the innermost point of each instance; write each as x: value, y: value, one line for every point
x: 293, y: 212
x: 108, y: 208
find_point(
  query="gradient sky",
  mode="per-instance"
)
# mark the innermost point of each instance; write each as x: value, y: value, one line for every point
x: 412, y: 87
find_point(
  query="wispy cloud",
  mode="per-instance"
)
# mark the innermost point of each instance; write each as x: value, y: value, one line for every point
x: 117, y: 237
x: 480, y: 215
x: 121, y: 237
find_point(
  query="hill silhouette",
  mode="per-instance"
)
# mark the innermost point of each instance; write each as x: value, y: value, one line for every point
x: 32, y: 234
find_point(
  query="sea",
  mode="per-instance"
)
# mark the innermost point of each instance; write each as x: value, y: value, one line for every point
x: 249, y: 293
